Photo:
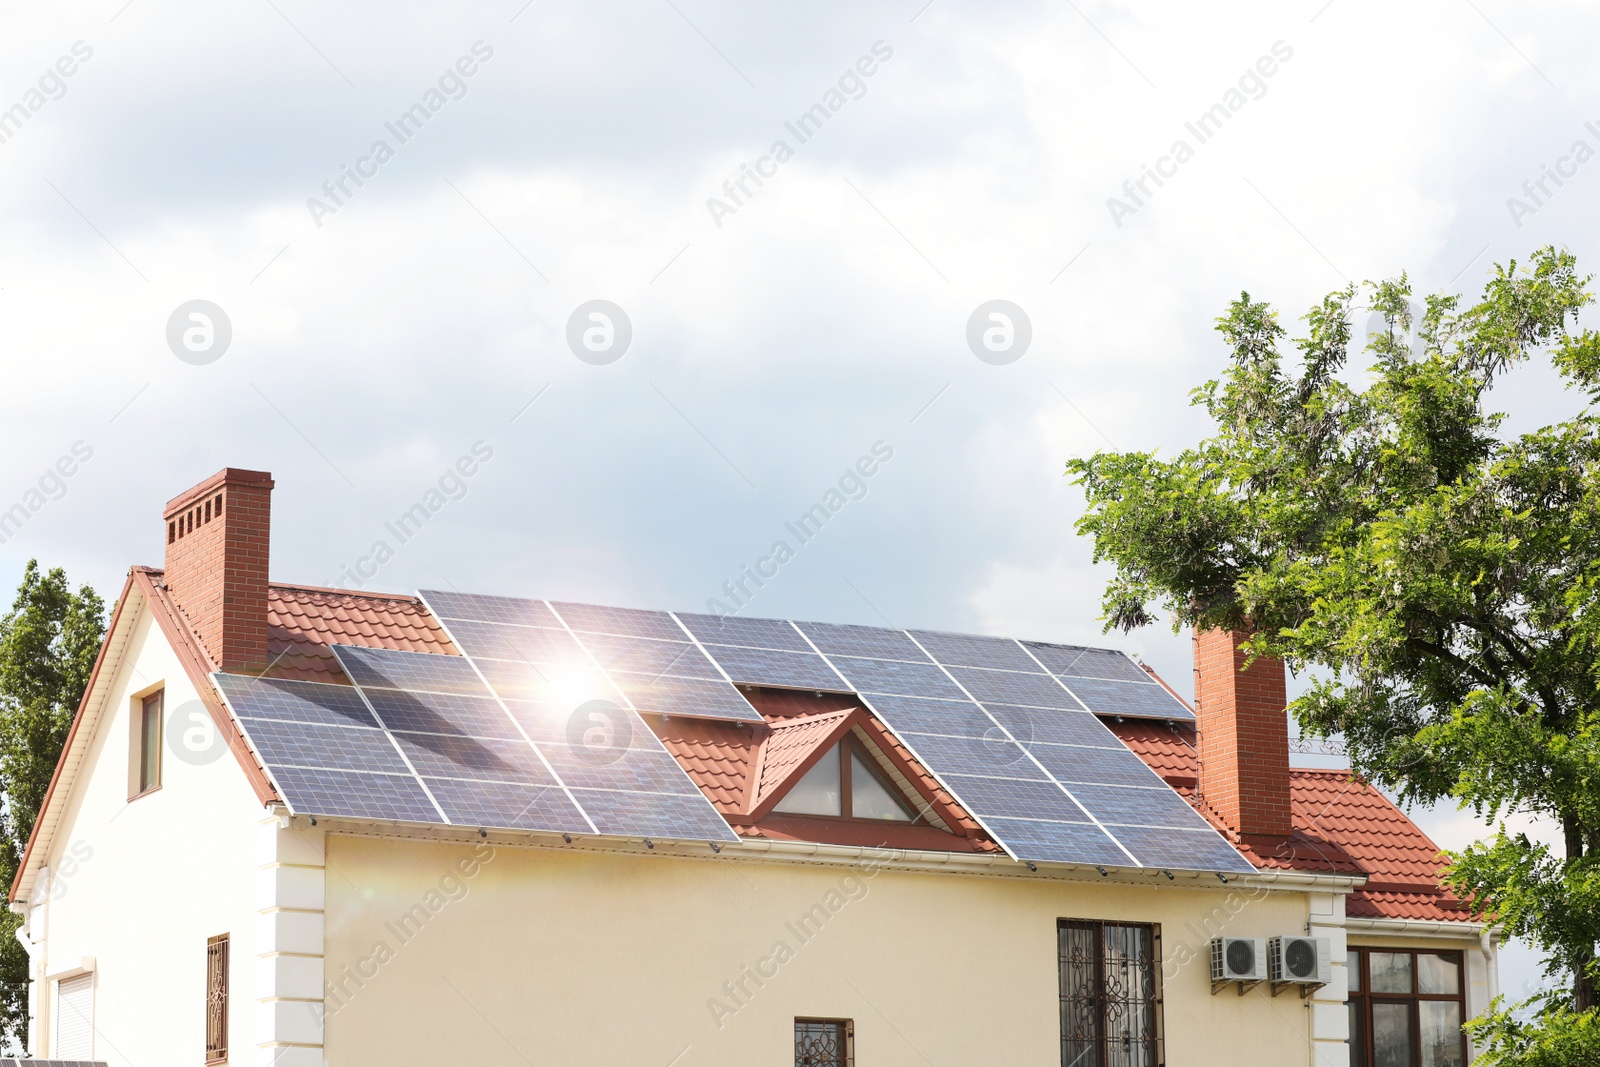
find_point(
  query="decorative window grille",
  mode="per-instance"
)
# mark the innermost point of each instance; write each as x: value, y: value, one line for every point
x: 217, y: 999
x: 1110, y: 994
x: 824, y: 1043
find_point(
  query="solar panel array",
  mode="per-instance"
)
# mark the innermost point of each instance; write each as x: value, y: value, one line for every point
x: 536, y: 726
x: 421, y: 738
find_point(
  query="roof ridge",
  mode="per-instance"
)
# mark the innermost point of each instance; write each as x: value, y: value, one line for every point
x: 807, y: 720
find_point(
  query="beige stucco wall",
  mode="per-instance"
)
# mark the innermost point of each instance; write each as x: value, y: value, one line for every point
x: 151, y: 880
x: 563, y: 956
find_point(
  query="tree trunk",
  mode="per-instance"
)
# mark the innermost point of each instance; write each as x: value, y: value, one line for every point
x: 1583, y: 985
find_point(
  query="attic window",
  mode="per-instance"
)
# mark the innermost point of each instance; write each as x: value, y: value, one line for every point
x: 846, y: 783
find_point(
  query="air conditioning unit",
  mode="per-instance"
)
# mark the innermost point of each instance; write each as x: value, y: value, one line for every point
x: 1238, y: 959
x: 1302, y: 962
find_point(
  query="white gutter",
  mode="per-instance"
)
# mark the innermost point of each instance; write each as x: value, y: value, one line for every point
x: 1421, y: 928
x: 992, y: 864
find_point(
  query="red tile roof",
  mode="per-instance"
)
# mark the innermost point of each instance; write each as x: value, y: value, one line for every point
x: 719, y: 756
x: 302, y: 621
x: 1341, y: 825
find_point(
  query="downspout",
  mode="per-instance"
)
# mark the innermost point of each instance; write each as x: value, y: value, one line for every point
x: 1491, y: 962
x: 34, y: 949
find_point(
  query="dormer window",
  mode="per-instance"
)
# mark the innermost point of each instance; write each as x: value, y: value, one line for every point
x: 846, y: 783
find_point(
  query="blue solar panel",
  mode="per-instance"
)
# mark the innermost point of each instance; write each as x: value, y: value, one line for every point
x: 517, y: 644
x: 1192, y: 850
x: 627, y: 622
x: 1155, y: 805
x: 871, y: 642
x: 789, y: 670
x: 441, y: 713
x: 334, y: 748
x: 489, y: 608
x: 1144, y: 700
x: 1016, y: 798
x: 485, y: 759
x: 1074, y: 661
x: 749, y: 633
x: 981, y: 755
x: 409, y: 670
x: 637, y: 770
x: 355, y: 795
x: 960, y: 718
x: 643, y: 656
x: 507, y: 805
x: 294, y: 701
x: 1060, y: 842
x: 1073, y: 765
x: 654, y: 815
x: 971, y: 650
x: 1012, y: 687
x: 897, y: 678
x: 685, y: 696
x: 1030, y: 725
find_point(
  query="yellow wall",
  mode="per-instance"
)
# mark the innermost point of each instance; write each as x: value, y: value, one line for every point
x: 566, y: 957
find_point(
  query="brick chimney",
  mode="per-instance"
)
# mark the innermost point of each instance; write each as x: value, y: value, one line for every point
x: 1243, y: 734
x: 216, y: 571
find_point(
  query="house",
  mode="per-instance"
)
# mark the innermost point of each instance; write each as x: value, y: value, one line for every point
x: 296, y: 825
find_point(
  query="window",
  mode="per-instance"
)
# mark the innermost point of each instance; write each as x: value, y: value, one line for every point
x: 824, y: 1043
x: 846, y: 781
x: 144, y: 745
x: 1110, y: 994
x: 74, y: 1039
x: 1406, y: 1009
x: 217, y: 999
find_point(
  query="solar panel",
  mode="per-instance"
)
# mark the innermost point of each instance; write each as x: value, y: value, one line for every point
x: 355, y: 795
x: 489, y: 608
x: 654, y: 815
x: 978, y: 755
x: 686, y: 696
x: 896, y: 677
x: 971, y: 650
x: 409, y: 670
x: 331, y: 748
x: 1074, y: 661
x: 489, y: 761
x: 1144, y: 700
x: 1060, y: 842
x: 441, y: 713
x: 748, y: 633
x: 643, y: 656
x: 1017, y: 798
x: 481, y: 758
x: 512, y: 806
x: 627, y: 622
x: 1191, y: 850
x: 293, y: 701
x: 517, y: 644
x: 765, y: 666
x: 869, y: 641
x: 1031, y: 725
x: 1014, y: 687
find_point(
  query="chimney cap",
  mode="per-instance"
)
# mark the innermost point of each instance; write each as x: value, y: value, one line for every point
x: 226, y: 476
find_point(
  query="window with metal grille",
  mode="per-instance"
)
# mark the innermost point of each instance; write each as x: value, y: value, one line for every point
x: 217, y: 999
x: 1110, y: 994
x: 824, y: 1043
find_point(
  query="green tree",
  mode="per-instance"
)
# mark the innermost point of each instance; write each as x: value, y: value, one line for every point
x: 48, y: 644
x: 1438, y: 578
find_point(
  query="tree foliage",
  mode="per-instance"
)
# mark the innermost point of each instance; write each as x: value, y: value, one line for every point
x: 48, y: 644
x: 1442, y: 575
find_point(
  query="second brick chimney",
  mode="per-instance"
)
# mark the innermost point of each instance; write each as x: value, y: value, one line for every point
x: 216, y: 571
x: 1243, y: 734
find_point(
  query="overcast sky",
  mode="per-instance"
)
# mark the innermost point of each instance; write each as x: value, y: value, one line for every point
x: 958, y: 153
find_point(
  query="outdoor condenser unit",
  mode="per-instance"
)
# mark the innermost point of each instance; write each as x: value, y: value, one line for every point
x: 1238, y: 959
x: 1298, y: 961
